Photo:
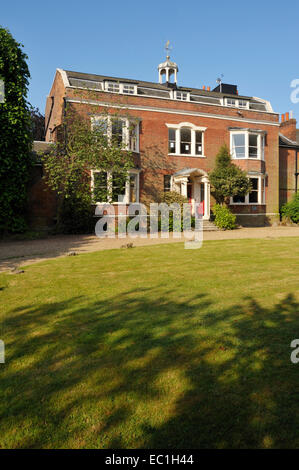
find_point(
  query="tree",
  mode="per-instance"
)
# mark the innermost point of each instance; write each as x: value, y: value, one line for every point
x: 16, y: 135
x: 227, y: 179
x: 37, y: 124
x: 80, y: 149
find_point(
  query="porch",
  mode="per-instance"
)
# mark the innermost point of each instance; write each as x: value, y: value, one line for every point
x: 193, y: 183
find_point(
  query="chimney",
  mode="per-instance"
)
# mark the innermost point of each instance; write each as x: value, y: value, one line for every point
x: 288, y: 126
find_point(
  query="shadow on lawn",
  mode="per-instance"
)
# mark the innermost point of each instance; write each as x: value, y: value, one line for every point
x: 91, y: 368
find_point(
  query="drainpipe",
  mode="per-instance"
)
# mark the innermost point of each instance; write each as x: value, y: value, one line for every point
x: 296, y: 172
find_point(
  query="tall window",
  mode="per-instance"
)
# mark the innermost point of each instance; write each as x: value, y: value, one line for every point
x: 167, y: 183
x: 171, y: 141
x: 256, y: 195
x: 100, y: 186
x: 186, y: 140
x: 119, y: 131
x: 245, y: 144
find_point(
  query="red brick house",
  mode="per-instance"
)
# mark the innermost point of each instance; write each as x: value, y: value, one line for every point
x: 175, y: 133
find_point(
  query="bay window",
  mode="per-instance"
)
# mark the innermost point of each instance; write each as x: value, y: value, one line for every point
x: 186, y: 139
x: 247, y: 144
x: 114, y: 187
x: 256, y: 195
x: 120, y: 131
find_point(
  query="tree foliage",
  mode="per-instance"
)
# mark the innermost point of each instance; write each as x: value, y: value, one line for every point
x: 290, y: 210
x: 37, y: 124
x: 227, y: 179
x: 16, y: 136
x: 81, y: 149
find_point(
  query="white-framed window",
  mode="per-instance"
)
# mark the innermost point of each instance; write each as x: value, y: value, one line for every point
x: 186, y: 139
x: 230, y: 102
x: 113, y: 87
x: 236, y: 103
x: 111, y: 187
x: 247, y: 144
x: 182, y: 95
x: 117, y: 87
x: 256, y: 195
x: 120, y: 130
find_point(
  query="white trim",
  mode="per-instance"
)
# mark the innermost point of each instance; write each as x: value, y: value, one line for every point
x: 193, y: 129
x: 261, y: 194
x: 260, y: 144
x: 125, y: 130
x: 266, y: 102
x: 64, y: 77
x: 259, y: 213
x: 172, y: 111
x: 133, y: 171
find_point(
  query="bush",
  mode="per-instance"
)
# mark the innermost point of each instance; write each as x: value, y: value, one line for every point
x: 171, y: 197
x: 75, y: 216
x: 224, y: 218
x: 291, y: 209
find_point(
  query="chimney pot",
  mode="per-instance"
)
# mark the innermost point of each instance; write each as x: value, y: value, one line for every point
x: 204, y: 87
x: 287, y: 116
x: 209, y: 88
x: 282, y: 118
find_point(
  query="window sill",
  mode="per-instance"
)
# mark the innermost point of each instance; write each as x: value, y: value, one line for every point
x: 247, y: 158
x: 247, y: 203
x: 185, y: 155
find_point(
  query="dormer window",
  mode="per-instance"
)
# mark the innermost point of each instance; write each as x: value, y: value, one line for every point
x: 112, y: 87
x: 129, y: 89
x: 125, y: 88
x: 230, y: 102
x: 236, y: 103
x: 182, y: 95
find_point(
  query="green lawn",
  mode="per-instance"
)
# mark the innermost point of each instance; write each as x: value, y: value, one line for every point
x: 153, y: 347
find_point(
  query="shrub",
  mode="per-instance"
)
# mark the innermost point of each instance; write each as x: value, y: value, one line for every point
x: 171, y: 197
x: 224, y: 218
x: 291, y: 209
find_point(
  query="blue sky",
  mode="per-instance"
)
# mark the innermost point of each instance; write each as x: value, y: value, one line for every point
x: 254, y: 44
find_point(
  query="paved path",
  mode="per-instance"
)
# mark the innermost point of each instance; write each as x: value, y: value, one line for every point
x: 18, y: 253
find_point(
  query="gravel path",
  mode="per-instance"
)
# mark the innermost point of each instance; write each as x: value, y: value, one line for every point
x: 18, y: 253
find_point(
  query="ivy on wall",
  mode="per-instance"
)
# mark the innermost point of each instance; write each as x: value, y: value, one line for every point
x: 16, y: 135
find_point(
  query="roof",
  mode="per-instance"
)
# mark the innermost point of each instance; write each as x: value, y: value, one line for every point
x: 286, y: 142
x: 196, y: 91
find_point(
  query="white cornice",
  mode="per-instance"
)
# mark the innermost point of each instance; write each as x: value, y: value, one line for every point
x: 65, y: 80
x: 171, y: 111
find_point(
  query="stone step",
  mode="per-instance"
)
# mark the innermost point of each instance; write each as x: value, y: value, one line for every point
x: 209, y: 226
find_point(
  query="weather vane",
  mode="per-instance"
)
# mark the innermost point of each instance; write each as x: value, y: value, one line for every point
x: 167, y: 48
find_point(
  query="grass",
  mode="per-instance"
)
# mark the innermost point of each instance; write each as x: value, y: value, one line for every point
x: 154, y: 347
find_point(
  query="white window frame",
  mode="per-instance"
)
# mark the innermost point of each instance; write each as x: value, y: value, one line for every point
x: 126, y: 129
x: 260, y: 144
x: 177, y: 128
x: 120, y: 87
x: 182, y: 95
x: 261, y: 193
x: 126, y: 198
x: 237, y: 103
